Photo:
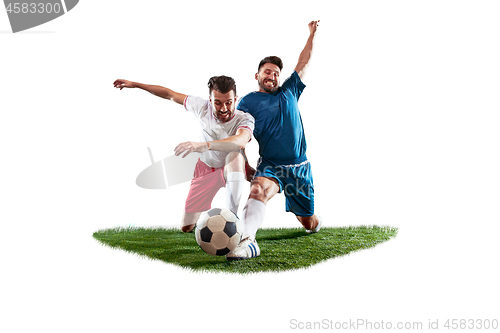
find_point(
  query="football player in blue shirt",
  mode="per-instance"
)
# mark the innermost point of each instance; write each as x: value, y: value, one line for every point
x: 283, y: 165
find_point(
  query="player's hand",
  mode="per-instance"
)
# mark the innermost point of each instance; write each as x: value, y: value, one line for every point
x: 313, y: 25
x: 190, y: 147
x: 120, y: 84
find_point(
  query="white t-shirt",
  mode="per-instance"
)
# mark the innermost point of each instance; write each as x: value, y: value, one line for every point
x: 212, y: 129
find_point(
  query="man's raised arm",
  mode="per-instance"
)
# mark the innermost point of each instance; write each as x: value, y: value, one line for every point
x: 306, y: 53
x: 155, y: 90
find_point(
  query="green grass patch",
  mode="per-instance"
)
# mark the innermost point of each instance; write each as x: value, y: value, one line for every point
x: 281, y: 249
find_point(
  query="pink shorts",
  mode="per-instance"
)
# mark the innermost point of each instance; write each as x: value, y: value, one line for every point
x: 206, y: 183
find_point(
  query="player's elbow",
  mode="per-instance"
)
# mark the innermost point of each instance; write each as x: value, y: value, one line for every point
x: 235, y: 147
x: 243, y: 139
x: 241, y: 145
x: 301, y: 70
x: 238, y: 144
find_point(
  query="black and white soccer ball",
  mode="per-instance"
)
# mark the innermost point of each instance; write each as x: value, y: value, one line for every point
x: 218, y: 231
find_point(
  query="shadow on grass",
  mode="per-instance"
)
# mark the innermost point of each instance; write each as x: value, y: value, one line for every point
x: 281, y: 249
x: 280, y: 234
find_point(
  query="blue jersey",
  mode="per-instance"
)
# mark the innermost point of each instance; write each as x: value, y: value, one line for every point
x: 278, y: 124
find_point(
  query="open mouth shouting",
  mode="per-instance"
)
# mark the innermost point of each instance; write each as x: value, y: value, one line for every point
x: 270, y: 83
x: 224, y: 115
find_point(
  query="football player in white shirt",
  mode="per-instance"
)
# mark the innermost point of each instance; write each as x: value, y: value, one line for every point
x: 224, y: 134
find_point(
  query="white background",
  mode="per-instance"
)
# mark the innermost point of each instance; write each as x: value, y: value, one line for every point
x: 401, y: 113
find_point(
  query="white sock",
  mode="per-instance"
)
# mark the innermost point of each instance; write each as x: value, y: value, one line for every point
x: 253, y: 216
x: 234, y: 188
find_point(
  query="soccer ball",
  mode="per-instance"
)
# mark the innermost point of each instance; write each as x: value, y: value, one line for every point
x: 218, y: 231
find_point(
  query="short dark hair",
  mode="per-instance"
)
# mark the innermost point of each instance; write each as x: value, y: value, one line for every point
x: 222, y: 84
x: 271, y: 60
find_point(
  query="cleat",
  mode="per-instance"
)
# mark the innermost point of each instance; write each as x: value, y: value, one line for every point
x: 315, y: 230
x: 246, y: 249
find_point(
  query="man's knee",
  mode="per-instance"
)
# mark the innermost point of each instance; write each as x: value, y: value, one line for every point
x: 256, y: 191
x: 235, y: 160
x: 263, y: 189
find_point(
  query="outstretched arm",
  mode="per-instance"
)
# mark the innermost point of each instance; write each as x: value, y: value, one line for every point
x: 155, y: 90
x: 306, y: 53
x: 233, y: 143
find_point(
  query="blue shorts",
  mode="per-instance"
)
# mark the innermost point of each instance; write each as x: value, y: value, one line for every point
x: 295, y: 181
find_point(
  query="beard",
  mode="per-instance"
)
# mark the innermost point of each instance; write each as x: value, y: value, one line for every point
x: 267, y: 88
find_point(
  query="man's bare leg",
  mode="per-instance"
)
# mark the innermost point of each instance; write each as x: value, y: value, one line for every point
x: 189, y: 221
x: 309, y: 222
x: 261, y: 191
